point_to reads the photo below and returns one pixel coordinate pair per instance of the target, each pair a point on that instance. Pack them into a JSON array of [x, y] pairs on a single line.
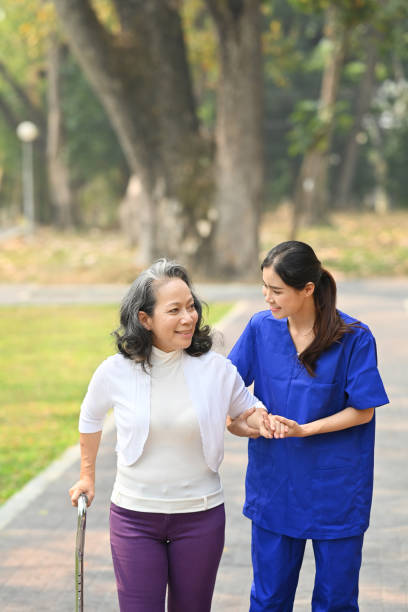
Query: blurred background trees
[[182, 122]]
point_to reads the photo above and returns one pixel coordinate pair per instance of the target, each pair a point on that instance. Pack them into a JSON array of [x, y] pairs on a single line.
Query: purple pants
[[153, 551]]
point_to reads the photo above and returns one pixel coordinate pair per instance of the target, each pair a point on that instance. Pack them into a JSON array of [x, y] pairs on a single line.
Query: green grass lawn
[[47, 356]]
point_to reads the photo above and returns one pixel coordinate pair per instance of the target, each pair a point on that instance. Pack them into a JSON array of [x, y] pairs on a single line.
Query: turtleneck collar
[[163, 359]]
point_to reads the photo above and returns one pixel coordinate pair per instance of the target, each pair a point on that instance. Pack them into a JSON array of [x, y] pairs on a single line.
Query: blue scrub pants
[[277, 560]]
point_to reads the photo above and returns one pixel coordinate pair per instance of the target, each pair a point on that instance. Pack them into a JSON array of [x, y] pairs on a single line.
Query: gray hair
[[133, 340]]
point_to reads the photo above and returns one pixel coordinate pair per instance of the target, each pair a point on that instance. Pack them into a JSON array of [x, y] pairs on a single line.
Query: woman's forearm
[[89, 444], [349, 417]]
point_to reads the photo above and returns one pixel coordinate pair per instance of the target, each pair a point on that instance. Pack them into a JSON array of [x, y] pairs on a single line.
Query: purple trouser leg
[[151, 551]]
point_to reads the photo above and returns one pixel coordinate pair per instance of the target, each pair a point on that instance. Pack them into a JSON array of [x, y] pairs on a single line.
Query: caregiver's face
[[283, 300]]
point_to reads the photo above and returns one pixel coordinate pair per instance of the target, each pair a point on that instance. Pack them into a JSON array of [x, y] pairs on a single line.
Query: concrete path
[[98, 294], [37, 539]]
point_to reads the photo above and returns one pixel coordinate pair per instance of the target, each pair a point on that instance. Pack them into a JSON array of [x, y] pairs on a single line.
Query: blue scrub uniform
[[319, 487]]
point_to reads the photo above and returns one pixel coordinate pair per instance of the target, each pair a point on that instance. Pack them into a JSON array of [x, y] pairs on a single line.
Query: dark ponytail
[[296, 264]]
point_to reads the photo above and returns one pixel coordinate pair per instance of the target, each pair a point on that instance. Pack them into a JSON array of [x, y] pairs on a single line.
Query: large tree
[[311, 192], [383, 41], [310, 199], [139, 70], [363, 102], [58, 169], [239, 135]]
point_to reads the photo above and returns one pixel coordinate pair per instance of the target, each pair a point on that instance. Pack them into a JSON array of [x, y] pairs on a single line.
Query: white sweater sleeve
[[96, 403], [241, 398]]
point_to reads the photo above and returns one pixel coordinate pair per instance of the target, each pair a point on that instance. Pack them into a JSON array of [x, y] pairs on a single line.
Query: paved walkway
[[37, 539]]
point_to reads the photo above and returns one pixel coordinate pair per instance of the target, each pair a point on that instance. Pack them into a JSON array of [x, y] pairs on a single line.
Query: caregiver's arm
[[89, 443], [349, 417]]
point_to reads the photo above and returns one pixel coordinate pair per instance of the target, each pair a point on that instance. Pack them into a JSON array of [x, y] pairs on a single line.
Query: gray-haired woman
[[171, 395]]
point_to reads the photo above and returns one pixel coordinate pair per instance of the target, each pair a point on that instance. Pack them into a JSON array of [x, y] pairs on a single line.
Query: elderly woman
[[170, 394]]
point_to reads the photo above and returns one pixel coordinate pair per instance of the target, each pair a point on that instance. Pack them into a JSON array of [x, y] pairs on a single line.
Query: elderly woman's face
[[174, 317]]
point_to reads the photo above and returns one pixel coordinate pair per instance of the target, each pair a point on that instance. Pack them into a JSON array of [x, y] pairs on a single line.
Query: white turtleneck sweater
[[171, 475]]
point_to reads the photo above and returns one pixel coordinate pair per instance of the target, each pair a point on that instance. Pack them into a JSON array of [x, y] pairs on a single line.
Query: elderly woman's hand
[[85, 485]]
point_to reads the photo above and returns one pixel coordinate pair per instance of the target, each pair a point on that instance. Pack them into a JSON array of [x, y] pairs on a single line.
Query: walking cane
[[79, 553]]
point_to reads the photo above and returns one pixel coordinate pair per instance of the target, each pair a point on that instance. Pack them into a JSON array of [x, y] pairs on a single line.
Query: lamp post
[[27, 133]]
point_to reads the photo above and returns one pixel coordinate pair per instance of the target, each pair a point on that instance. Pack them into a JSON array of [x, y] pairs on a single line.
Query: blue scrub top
[[321, 486]]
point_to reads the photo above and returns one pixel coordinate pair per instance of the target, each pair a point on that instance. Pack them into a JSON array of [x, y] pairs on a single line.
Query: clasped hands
[[256, 422]]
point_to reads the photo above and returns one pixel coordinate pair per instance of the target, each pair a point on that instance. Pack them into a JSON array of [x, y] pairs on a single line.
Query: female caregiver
[[170, 396], [315, 369]]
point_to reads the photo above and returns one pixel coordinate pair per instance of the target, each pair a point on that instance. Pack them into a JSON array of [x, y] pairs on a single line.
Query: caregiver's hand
[[239, 426], [286, 428]]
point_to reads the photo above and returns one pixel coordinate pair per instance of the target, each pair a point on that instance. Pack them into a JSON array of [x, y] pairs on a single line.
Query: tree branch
[[8, 113], [34, 113], [91, 37], [127, 11], [97, 53], [225, 11]]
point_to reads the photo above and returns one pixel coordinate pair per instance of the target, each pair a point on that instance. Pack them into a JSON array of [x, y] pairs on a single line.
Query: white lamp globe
[[27, 131]]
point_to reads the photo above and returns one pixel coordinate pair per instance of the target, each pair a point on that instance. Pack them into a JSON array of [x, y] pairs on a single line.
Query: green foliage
[[396, 154], [92, 146], [289, 39], [97, 164], [280, 44], [344, 117], [320, 55], [293, 79], [390, 114], [10, 170], [294, 53], [308, 129], [354, 70], [305, 127], [24, 27], [202, 53], [351, 11]]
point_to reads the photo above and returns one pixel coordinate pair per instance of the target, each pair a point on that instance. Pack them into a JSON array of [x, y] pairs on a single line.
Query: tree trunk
[[134, 217], [310, 200], [380, 199], [364, 98], [32, 112], [8, 113], [58, 173], [141, 77], [239, 158]]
